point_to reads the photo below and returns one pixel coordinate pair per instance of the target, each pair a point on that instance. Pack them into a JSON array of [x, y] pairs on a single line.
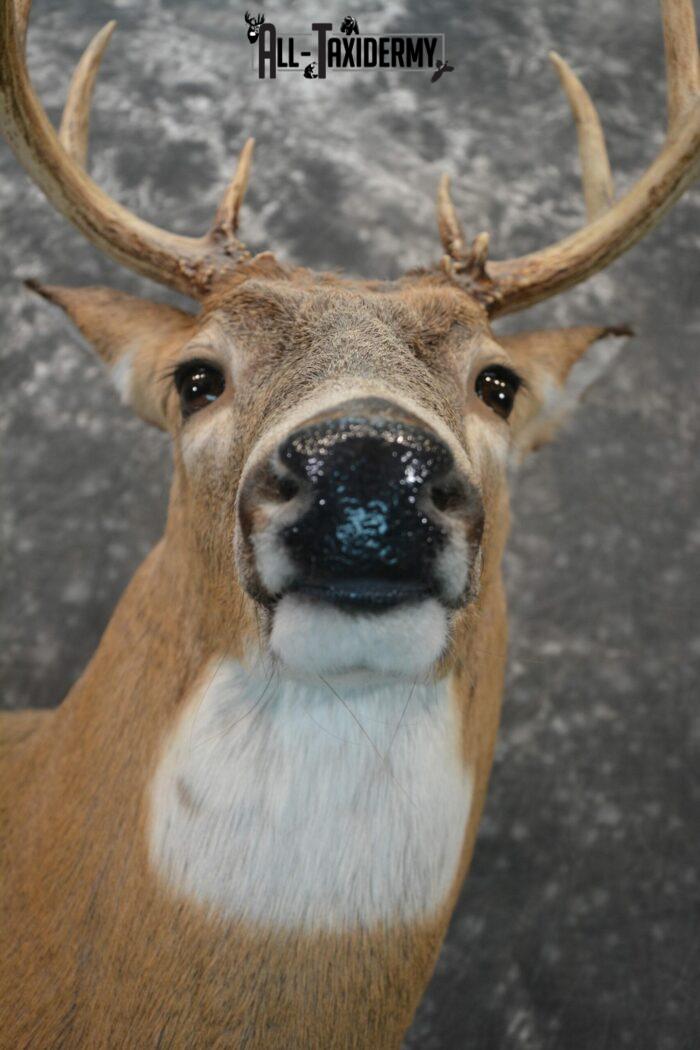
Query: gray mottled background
[[579, 927]]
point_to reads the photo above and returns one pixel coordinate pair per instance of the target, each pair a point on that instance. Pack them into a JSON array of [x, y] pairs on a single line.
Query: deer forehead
[[308, 314]]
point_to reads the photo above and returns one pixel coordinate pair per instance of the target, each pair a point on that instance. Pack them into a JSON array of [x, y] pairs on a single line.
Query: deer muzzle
[[362, 508]]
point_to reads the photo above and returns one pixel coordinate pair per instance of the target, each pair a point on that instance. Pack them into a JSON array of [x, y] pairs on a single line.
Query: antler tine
[[459, 258], [75, 122], [451, 232], [682, 74], [596, 176], [514, 284], [191, 265], [225, 222], [478, 254]]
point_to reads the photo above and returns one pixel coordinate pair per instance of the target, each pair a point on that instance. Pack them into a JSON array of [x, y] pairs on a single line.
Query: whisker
[[203, 697], [352, 714], [369, 738], [323, 729], [398, 725], [232, 725]]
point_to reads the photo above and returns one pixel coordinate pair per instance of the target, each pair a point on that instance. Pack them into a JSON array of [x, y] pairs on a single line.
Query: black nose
[[369, 533]]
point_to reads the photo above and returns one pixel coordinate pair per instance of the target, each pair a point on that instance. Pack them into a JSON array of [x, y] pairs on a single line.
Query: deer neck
[[306, 804], [235, 774]]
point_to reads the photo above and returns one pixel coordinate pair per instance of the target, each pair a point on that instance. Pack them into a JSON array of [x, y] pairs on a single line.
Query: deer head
[[341, 445], [254, 26]]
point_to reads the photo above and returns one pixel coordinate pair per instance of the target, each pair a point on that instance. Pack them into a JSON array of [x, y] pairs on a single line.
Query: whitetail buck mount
[[248, 822]]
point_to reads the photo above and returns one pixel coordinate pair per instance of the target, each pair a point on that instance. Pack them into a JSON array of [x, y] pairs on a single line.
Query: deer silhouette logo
[[442, 67], [349, 26], [254, 26]]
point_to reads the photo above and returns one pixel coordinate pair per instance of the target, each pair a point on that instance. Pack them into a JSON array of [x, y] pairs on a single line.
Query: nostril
[[447, 496], [287, 488]]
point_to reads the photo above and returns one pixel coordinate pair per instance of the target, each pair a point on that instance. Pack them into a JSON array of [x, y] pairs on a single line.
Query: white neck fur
[[309, 805]]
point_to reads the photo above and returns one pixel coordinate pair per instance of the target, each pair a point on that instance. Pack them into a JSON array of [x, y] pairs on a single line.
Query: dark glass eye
[[497, 387], [198, 384]]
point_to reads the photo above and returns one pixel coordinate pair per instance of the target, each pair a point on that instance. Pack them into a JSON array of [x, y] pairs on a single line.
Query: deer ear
[[556, 375], [129, 334]]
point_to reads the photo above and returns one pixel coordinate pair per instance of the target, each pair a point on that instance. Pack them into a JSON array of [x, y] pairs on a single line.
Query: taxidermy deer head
[[256, 807]]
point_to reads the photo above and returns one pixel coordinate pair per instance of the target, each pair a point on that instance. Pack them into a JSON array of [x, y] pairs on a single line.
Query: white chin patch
[[311, 638], [291, 805]]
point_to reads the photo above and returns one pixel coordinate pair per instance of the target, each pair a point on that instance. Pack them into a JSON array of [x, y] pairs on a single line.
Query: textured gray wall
[[579, 927]]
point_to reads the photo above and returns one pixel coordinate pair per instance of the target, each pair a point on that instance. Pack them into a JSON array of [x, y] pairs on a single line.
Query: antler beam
[[514, 284], [191, 265]]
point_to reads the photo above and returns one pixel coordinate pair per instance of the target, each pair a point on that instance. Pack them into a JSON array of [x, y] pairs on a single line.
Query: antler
[[75, 121], [191, 265], [612, 228]]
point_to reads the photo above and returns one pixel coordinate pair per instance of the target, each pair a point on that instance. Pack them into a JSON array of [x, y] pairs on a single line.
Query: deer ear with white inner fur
[[129, 334], [558, 366]]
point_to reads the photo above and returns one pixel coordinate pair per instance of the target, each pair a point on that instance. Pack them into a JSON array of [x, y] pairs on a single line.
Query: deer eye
[[198, 383], [497, 387]]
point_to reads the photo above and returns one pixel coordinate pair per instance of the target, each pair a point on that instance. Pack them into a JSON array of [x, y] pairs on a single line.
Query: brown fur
[[99, 953]]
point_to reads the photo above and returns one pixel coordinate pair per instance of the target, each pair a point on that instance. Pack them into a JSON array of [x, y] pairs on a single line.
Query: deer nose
[[376, 491]]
